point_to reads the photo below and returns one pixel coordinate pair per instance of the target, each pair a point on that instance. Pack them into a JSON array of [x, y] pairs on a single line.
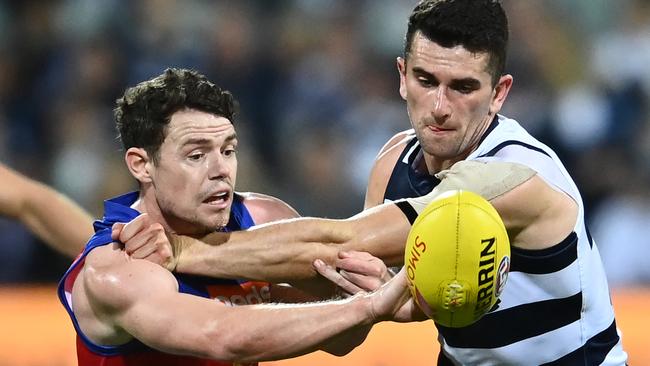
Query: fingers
[[361, 262], [363, 269], [355, 272], [132, 228], [144, 250], [145, 239], [335, 277], [368, 283]]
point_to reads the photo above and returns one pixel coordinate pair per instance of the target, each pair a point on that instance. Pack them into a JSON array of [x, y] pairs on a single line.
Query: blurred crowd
[[318, 92]]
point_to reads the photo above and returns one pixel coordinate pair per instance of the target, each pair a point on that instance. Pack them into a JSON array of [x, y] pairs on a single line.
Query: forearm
[[280, 252], [55, 219], [304, 329], [284, 251]]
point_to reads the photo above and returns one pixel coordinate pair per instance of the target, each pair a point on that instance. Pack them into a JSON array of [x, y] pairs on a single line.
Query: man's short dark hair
[[144, 111], [477, 25]]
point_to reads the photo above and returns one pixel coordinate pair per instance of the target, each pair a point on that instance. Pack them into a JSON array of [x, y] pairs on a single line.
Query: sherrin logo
[[502, 275], [485, 277]]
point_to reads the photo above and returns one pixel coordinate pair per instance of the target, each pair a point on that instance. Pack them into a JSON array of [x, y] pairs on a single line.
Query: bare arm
[[383, 167], [536, 215], [284, 251], [141, 299], [50, 215]]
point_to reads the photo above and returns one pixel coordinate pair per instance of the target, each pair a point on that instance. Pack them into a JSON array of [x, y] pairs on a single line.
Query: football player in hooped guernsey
[[180, 145]]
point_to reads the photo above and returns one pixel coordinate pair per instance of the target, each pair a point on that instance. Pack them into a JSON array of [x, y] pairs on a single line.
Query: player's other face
[[449, 97], [195, 176]]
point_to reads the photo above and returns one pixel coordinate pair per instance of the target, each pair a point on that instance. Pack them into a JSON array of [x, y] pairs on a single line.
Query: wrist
[[365, 301], [178, 244]]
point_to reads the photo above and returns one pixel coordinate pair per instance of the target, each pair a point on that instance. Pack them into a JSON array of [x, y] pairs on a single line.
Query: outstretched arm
[[50, 215], [128, 295], [284, 251]]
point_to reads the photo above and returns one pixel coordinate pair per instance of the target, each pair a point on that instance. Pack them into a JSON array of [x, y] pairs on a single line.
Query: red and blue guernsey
[[229, 292]]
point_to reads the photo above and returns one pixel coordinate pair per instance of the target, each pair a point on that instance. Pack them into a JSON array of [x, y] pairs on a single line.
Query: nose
[[441, 106], [218, 167]]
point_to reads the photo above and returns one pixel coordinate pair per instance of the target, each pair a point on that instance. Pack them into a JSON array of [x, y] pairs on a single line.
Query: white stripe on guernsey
[[522, 288], [408, 154], [68, 298], [550, 346]]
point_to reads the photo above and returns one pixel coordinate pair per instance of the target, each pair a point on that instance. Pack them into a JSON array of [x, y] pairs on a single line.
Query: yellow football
[[457, 258]]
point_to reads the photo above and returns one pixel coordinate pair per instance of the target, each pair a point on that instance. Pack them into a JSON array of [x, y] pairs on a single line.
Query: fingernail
[[318, 263]]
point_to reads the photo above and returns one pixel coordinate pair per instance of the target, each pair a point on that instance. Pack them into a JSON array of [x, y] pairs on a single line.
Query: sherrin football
[[457, 258]]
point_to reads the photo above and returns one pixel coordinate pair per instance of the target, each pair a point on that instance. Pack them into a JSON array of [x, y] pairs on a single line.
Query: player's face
[[195, 176], [449, 97]]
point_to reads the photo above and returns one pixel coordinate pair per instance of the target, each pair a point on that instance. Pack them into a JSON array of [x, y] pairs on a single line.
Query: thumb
[[116, 230]]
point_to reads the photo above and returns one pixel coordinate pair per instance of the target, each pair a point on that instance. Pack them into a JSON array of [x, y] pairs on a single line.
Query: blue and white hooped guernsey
[[555, 308]]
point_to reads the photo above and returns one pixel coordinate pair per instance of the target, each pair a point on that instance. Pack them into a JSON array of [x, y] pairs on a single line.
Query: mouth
[[437, 129], [220, 199]]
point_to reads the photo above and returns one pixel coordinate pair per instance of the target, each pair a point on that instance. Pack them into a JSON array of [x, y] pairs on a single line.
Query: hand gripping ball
[[457, 258]]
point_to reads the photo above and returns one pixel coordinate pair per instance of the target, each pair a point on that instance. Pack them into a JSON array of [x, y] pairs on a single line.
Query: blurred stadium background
[[317, 85]]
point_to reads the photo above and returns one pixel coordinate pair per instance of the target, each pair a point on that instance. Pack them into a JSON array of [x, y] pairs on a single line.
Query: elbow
[[341, 348], [340, 352]]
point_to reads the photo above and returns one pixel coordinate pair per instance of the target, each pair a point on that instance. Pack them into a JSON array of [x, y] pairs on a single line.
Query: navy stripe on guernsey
[[547, 260], [493, 125], [504, 144], [591, 240], [515, 324], [408, 210], [406, 181], [593, 352]]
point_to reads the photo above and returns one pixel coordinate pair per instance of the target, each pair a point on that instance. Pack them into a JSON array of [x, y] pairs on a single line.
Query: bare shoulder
[[383, 167], [396, 143], [112, 280], [264, 208], [389, 154]]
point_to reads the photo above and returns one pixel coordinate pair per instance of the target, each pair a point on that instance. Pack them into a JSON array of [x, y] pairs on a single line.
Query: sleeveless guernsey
[[555, 308], [226, 291]]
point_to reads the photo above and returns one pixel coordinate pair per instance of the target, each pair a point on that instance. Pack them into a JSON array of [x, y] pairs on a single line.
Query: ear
[[139, 164], [401, 69], [501, 91]]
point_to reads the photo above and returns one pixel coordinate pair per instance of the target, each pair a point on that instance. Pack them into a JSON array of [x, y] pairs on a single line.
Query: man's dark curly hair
[[143, 113], [477, 25]]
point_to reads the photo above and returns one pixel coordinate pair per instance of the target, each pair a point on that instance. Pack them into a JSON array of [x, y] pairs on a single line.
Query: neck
[[147, 203], [435, 165]]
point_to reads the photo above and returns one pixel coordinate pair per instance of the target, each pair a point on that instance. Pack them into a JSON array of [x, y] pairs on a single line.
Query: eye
[[230, 151], [425, 82], [196, 156], [465, 89]]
